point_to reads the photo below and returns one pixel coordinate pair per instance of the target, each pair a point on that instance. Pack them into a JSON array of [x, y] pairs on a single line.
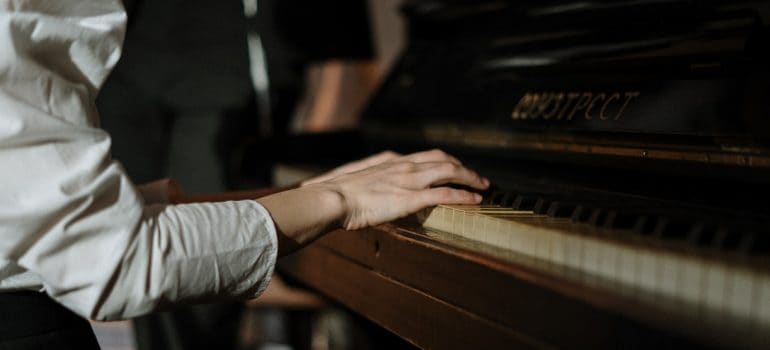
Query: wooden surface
[[439, 297], [413, 315]]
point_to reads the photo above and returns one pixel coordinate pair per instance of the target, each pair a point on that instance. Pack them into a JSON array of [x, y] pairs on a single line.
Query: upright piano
[[629, 145]]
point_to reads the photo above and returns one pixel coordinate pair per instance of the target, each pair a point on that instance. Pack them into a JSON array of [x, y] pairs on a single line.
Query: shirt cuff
[[272, 256]]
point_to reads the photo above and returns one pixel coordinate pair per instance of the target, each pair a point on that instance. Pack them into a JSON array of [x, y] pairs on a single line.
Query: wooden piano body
[[649, 121], [437, 295]]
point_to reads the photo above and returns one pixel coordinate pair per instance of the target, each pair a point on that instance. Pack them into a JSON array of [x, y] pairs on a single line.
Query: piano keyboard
[[644, 265]]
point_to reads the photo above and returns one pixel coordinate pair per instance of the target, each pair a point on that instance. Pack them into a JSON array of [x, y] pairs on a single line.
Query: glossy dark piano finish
[[536, 77], [640, 114]]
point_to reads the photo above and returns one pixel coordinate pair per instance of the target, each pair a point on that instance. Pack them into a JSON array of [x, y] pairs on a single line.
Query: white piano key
[[667, 275], [528, 238], [444, 219], [573, 251], [558, 248], [510, 239], [607, 260], [762, 306], [498, 238], [505, 238], [741, 293], [627, 273], [591, 263], [690, 280], [482, 224], [542, 242], [647, 271], [467, 224], [714, 292]]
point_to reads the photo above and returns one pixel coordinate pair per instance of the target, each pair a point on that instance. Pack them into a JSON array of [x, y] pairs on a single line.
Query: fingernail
[[486, 182], [477, 197]]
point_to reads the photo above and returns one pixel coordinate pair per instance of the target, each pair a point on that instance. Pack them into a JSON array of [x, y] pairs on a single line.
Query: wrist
[[331, 202], [301, 215]]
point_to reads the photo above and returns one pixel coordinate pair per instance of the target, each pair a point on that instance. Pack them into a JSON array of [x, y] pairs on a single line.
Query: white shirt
[[71, 223]]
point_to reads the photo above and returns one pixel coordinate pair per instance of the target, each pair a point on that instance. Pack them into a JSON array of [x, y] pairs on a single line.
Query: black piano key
[[559, 209], [581, 214], [523, 202], [494, 197], [760, 244], [720, 236], [700, 234], [732, 240], [605, 220], [644, 225], [541, 206], [746, 242], [597, 216], [713, 236], [507, 199], [673, 229], [618, 220]]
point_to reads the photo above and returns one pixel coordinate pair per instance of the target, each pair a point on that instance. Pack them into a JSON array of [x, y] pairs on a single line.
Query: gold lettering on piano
[[615, 96], [599, 97], [570, 97], [582, 103], [574, 105]]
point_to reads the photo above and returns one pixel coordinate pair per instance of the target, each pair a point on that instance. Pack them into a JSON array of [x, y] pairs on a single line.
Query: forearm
[[321, 208], [294, 230]]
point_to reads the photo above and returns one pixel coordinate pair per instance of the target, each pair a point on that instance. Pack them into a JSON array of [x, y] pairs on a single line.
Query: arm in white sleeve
[[68, 213]]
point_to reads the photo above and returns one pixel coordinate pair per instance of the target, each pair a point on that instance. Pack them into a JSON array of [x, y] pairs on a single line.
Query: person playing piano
[[78, 239]]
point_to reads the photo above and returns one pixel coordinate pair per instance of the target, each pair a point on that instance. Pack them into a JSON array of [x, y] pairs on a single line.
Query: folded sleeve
[[68, 213]]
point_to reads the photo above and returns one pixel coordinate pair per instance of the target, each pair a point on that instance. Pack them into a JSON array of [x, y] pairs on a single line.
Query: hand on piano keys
[[388, 186], [360, 194]]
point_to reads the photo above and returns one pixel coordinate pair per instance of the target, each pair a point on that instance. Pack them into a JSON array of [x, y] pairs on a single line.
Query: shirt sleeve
[[69, 214]]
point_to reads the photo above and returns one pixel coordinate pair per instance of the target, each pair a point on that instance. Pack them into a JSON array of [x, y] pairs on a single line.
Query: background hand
[[379, 158], [351, 167]]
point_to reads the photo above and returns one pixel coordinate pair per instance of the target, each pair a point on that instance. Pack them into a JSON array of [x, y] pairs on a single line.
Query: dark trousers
[[31, 320]]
